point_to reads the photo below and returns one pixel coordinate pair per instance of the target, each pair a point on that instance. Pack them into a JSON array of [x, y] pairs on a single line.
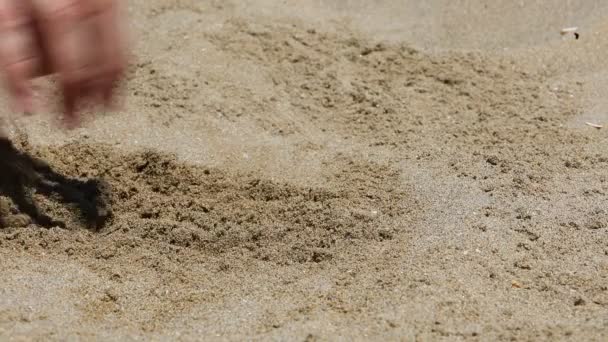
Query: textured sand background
[[323, 170]]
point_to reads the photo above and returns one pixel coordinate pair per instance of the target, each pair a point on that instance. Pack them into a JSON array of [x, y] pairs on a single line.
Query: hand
[[79, 40]]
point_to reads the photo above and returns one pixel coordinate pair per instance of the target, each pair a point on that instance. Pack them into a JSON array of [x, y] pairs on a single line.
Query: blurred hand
[[79, 40]]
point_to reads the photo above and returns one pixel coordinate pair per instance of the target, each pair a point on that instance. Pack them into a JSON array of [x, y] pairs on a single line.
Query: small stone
[[596, 224], [493, 160], [110, 296]]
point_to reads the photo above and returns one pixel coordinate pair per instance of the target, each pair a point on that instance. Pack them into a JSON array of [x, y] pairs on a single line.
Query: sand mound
[[158, 200], [385, 94]]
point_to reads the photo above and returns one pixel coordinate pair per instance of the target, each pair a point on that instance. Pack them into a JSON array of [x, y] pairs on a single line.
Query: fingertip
[[27, 106], [69, 118], [70, 121], [110, 100], [22, 100]]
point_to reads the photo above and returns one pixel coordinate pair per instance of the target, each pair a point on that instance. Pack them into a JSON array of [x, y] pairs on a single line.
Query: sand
[[322, 170]]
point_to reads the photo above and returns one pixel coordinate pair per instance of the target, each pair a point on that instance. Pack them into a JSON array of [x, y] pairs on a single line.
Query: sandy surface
[[326, 170]]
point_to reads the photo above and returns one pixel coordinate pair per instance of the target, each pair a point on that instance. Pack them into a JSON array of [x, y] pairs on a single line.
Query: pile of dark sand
[[152, 198]]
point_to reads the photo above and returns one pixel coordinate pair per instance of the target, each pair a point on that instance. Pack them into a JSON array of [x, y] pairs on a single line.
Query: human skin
[[78, 40]]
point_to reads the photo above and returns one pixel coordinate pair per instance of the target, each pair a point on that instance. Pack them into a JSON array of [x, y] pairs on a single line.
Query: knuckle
[[59, 10], [102, 5], [5, 14], [22, 68], [11, 18], [17, 45], [73, 77], [108, 72]]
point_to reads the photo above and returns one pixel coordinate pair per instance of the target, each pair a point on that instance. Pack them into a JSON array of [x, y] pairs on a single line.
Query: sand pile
[[158, 200]]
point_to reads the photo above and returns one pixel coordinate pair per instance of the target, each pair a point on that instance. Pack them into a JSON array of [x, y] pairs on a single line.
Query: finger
[[70, 105], [111, 52], [66, 27], [45, 67], [19, 55]]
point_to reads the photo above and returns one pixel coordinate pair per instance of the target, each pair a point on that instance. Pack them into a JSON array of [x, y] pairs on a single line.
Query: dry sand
[[327, 170]]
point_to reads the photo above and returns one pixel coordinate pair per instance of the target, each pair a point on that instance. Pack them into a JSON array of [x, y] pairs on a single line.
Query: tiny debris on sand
[[594, 125]]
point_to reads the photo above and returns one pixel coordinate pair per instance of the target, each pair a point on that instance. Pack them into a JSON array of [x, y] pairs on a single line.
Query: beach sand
[[328, 170]]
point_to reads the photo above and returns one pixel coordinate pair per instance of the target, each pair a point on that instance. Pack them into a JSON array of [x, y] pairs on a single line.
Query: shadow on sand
[[22, 174]]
